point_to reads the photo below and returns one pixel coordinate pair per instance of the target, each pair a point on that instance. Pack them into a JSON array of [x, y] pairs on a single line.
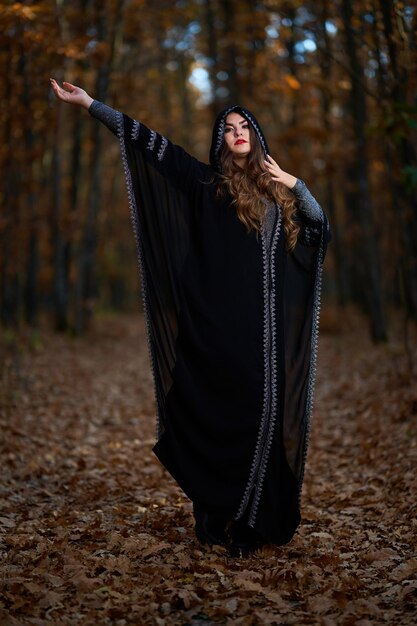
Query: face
[[236, 135]]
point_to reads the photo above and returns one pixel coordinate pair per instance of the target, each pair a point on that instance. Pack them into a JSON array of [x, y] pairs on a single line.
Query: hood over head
[[218, 133]]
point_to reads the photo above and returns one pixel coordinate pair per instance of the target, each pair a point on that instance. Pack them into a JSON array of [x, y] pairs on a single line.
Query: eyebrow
[[242, 122]]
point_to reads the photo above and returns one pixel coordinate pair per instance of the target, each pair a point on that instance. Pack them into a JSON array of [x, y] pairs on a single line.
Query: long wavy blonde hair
[[250, 186]]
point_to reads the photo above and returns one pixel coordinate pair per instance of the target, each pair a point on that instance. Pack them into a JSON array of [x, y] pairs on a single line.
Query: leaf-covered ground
[[94, 531]]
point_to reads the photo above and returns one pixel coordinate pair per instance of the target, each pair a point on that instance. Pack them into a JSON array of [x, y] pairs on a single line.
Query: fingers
[[270, 160], [68, 87], [56, 88], [273, 168]]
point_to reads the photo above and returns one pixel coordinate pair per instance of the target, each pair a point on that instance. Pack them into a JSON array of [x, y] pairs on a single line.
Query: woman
[[230, 258]]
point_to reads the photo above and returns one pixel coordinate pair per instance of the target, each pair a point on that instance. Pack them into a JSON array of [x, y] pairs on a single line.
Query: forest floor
[[94, 531]]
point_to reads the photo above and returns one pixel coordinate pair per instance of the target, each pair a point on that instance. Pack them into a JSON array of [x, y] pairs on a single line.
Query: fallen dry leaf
[[91, 525]]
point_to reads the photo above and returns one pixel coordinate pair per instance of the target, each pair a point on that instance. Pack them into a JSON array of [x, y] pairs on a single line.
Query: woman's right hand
[[71, 94]]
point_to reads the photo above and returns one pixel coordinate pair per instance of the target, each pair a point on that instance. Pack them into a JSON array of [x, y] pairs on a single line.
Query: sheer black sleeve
[[172, 161]]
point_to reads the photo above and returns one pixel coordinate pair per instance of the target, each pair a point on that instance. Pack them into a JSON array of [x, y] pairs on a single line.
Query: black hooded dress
[[232, 325]]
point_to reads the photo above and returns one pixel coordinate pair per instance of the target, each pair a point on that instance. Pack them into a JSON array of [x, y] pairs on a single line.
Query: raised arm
[[172, 161]]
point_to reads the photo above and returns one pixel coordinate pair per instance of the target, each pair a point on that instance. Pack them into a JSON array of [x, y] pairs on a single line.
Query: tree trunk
[[325, 61], [405, 200], [290, 13], [86, 288], [230, 14], [213, 55], [31, 296], [60, 287], [185, 104], [60, 275], [254, 33], [9, 289], [360, 207]]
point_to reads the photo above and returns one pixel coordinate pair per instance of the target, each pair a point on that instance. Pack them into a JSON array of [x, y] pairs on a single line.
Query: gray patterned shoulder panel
[[105, 114], [308, 204]]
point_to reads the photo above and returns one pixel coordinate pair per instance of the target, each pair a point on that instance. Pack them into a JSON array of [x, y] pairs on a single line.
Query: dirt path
[[95, 532]]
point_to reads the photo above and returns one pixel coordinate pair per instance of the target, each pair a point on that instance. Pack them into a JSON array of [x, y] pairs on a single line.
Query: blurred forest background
[[332, 82]]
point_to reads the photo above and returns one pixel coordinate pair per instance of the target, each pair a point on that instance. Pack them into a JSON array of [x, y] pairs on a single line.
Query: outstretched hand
[[71, 94], [278, 175]]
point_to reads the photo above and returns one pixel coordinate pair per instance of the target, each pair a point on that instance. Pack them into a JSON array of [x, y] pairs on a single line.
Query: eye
[[227, 130], [245, 125]]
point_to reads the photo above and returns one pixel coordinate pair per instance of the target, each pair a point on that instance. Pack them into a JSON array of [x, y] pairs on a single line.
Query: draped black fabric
[[232, 330]]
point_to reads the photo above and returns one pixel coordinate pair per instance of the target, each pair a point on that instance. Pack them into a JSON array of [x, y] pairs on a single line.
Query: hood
[[218, 133]]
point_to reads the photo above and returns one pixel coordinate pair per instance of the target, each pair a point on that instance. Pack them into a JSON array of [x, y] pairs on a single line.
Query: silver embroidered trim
[[139, 251], [135, 130], [273, 382], [313, 359], [220, 134], [152, 140], [258, 131], [269, 409], [162, 149]]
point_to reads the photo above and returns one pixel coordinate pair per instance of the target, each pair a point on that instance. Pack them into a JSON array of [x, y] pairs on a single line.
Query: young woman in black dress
[[230, 256]]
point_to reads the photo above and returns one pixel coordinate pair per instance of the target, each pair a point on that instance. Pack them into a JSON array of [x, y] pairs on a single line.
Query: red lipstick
[[239, 141]]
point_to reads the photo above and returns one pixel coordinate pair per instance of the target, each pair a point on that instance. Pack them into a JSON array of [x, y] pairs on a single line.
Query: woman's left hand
[[277, 174]]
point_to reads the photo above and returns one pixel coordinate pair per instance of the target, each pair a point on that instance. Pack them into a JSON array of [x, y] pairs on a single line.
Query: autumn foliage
[[333, 84]]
